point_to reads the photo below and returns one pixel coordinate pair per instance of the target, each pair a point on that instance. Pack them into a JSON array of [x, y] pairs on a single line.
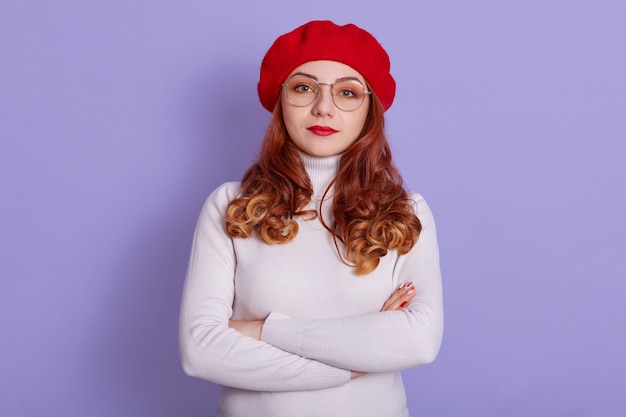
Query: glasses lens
[[348, 95], [301, 91]]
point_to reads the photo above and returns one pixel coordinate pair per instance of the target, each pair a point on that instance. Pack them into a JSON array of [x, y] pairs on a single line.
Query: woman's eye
[[303, 88], [347, 93]]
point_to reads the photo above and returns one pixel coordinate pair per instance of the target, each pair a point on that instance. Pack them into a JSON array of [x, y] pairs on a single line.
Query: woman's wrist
[[250, 328]]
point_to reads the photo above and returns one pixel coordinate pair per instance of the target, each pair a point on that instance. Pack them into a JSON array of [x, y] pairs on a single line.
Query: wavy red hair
[[372, 212]]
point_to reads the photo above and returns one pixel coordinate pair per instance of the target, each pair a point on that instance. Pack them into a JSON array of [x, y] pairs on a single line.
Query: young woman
[[315, 280]]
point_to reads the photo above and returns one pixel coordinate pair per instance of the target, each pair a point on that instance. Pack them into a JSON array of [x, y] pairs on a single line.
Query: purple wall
[[118, 118]]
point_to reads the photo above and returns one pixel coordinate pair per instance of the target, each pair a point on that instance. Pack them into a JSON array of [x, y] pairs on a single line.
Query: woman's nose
[[323, 104]]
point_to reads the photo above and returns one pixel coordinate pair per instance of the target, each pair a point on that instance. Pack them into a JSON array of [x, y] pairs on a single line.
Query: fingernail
[[404, 304], [411, 291], [401, 285], [409, 285]]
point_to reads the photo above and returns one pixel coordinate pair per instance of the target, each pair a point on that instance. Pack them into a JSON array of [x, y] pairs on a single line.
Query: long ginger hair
[[372, 212]]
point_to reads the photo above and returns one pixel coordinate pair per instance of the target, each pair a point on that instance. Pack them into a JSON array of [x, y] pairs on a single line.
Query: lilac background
[[118, 118]]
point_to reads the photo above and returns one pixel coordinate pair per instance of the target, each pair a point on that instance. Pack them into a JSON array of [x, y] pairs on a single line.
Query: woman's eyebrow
[[305, 75], [349, 78]]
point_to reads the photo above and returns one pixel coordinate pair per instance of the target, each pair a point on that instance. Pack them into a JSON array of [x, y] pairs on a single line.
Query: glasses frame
[[331, 85]]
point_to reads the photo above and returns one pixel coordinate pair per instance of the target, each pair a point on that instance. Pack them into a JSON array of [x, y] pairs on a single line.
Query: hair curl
[[372, 211]]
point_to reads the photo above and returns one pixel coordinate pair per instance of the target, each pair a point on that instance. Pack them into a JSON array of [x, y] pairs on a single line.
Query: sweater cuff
[[280, 331], [284, 333], [325, 376]]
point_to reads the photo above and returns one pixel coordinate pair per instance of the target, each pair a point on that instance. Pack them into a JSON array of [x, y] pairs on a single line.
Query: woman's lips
[[322, 130]]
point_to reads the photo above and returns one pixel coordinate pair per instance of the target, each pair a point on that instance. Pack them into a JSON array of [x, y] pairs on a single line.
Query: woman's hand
[[251, 328], [400, 298], [356, 374]]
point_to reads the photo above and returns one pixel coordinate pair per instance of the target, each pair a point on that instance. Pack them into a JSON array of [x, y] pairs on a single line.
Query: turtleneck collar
[[321, 171]]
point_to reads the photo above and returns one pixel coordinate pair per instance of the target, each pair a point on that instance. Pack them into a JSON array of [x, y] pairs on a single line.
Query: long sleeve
[[379, 341], [209, 348]]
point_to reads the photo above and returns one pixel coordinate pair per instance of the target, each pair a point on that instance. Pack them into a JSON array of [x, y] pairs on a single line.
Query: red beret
[[323, 40]]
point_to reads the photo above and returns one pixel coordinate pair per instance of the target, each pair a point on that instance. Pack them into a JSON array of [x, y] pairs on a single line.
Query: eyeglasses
[[348, 94]]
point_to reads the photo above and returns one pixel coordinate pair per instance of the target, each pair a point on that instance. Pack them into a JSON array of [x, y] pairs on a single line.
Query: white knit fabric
[[322, 320]]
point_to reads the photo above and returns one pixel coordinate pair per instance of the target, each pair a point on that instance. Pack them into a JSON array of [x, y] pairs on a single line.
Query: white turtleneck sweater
[[322, 320]]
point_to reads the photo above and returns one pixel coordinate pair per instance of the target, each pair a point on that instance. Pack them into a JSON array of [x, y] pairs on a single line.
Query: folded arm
[[390, 340], [209, 348]]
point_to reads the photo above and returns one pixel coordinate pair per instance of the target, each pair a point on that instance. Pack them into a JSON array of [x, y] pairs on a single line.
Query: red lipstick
[[322, 130]]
